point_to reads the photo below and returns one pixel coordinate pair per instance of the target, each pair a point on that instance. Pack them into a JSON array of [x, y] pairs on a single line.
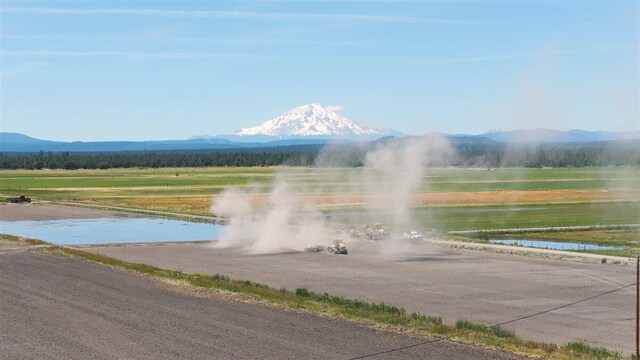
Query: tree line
[[465, 155]]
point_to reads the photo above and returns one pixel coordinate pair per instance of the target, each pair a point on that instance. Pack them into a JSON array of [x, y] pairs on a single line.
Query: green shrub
[[481, 328], [580, 348]]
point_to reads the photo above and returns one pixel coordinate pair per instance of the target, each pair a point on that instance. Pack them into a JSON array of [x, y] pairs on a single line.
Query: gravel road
[[57, 307], [455, 284]]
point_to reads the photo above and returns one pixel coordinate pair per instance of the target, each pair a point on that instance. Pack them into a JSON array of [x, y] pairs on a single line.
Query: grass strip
[[623, 236], [367, 312], [22, 240]]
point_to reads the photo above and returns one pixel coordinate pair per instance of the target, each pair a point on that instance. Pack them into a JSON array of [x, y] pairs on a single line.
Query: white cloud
[[124, 54], [475, 59], [336, 107], [177, 39], [239, 15]]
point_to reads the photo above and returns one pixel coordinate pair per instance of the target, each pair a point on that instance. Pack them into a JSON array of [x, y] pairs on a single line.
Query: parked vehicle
[[20, 199]]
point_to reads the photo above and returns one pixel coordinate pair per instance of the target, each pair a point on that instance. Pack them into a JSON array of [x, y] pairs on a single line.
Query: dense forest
[[465, 155]]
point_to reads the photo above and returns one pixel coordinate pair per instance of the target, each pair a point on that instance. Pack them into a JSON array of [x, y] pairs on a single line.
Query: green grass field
[[448, 199], [507, 217]]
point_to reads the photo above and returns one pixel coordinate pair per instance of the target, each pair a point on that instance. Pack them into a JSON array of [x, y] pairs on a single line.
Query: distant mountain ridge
[[17, 138], [550, 135], [16, 142]]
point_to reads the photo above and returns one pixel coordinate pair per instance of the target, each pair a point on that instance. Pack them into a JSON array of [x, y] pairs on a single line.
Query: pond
[[554, 245], [111, 230]]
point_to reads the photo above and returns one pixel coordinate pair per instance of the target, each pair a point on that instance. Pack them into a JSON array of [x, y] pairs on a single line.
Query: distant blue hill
[[549, 135], [17, 138], [15, 142]]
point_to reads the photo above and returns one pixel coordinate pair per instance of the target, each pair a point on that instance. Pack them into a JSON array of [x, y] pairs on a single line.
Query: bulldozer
[[337, 247]]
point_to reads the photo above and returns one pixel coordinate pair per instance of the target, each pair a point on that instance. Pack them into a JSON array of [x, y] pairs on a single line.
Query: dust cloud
[[286, 217], [270, 228], [393, 173]]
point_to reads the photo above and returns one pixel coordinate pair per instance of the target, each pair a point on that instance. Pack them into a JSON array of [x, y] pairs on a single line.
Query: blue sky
[[139, 70]]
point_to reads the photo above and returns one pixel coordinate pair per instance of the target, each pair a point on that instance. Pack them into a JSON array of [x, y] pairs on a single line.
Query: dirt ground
[[57, 307], [455, 284], [12, 212]]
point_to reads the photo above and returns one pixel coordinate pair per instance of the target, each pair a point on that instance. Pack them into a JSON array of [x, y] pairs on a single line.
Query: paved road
[[456, 284], [56, 307]]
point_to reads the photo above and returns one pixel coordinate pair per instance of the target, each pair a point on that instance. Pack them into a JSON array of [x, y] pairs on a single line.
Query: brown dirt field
[[191, 205], [466, 198], [20, 212], [202, 204]]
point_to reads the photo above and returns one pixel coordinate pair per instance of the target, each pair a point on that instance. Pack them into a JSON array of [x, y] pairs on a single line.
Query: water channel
[[554, 245], [111, 230]]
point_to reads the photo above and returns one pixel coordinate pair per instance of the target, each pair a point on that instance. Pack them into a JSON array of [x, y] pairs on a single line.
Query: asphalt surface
[[456, 284], [57, 307]]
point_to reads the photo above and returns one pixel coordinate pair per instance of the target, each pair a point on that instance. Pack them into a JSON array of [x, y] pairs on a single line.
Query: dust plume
[[288, 218], [394, 173], [274, 227]]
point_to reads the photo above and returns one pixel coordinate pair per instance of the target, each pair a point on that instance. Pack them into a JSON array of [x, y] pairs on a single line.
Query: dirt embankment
[[15, 212]]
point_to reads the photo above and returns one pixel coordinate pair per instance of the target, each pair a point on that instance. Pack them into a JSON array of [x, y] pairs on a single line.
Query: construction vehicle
[[337, 247], [314, 249], [376, 232], [20, 199], [413, 236]]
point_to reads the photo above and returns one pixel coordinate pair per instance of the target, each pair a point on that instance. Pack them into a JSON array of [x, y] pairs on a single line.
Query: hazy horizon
[[295, 137]]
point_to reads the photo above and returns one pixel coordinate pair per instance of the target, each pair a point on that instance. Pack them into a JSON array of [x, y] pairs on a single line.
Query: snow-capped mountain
[[311, 120]]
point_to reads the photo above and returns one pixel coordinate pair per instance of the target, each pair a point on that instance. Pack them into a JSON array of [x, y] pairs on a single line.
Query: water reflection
[[554, 245]]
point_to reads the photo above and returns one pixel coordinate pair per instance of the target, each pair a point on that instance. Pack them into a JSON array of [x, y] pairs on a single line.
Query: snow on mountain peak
[[309, 120]]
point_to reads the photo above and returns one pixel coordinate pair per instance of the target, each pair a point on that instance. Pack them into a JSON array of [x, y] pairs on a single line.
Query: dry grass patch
[[480, 198]]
